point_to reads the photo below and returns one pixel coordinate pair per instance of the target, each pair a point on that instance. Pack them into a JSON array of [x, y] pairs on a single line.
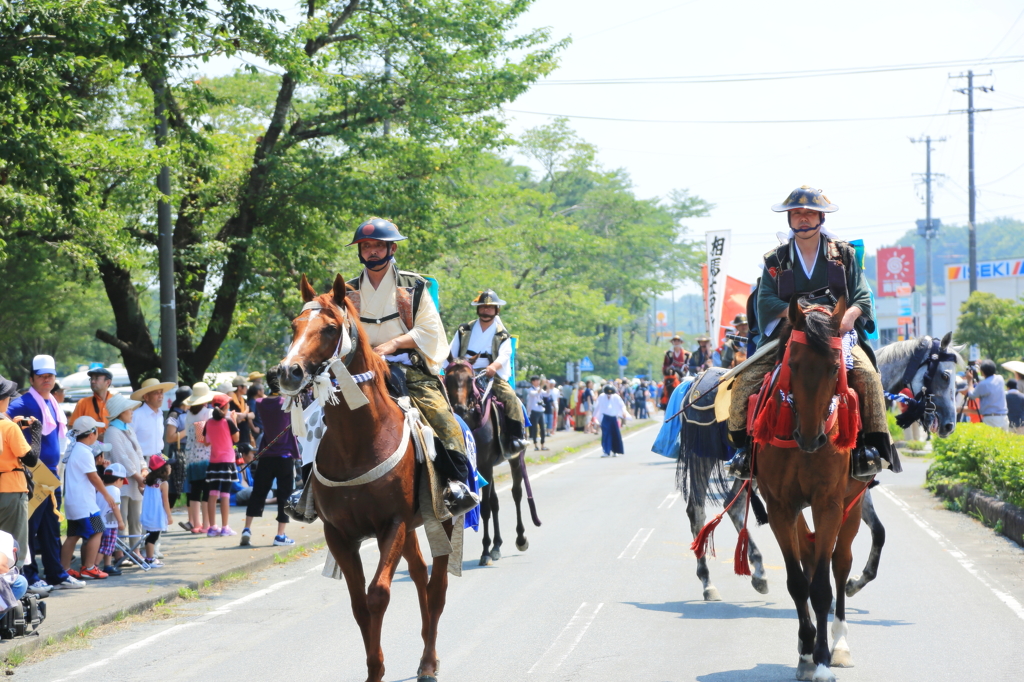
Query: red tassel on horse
[[766, 422], [705, 542], [849, 421], [740, 565]]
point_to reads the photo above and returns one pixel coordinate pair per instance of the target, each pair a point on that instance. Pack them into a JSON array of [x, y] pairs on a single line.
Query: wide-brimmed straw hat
[[150, 385], [1015, 366], [117, 403], [201, 394], [253, 376]]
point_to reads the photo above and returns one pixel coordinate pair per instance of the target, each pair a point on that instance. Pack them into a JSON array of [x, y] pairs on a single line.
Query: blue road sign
[[586, 365], [623, 361]]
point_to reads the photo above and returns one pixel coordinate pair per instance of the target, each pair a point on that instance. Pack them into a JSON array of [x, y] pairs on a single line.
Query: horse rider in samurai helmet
[[486, 344]]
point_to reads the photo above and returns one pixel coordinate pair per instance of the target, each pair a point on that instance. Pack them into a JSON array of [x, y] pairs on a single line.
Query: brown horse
[[356, 441], [815, 473], [458, 382]]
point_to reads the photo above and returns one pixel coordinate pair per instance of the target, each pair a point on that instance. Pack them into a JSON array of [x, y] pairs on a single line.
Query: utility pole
[[930, 229], [165, 246], [972, 255], [622, 370]]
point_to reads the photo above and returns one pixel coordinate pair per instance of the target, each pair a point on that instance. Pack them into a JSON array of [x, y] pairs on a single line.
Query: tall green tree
[[995, 325]]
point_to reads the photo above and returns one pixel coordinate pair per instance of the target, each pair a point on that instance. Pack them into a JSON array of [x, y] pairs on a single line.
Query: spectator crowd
[[84, 496]]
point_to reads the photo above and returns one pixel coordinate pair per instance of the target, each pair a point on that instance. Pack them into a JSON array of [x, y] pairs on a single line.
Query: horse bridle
[[353, 335], [782, 376], [922, 406]]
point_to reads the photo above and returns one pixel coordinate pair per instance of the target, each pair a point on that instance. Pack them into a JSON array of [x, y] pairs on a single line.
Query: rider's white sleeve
[[429, 335]]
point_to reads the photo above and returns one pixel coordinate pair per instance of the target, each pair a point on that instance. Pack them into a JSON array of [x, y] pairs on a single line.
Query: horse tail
[[757, 506], [529, 490]]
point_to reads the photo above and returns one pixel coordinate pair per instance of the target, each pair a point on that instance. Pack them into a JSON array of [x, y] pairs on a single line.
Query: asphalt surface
[[606, 592]]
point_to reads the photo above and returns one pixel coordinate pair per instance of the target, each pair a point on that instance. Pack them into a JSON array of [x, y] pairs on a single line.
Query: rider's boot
[[459, 498], [869, 459], [739, 465], [517, 439]]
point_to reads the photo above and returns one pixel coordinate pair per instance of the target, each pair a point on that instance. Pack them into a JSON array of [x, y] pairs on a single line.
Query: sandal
[[199, 530], [187, 525]]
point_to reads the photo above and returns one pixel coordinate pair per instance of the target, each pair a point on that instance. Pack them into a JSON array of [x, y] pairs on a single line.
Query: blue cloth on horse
[[611, 436], [667, 442], [473, 515]]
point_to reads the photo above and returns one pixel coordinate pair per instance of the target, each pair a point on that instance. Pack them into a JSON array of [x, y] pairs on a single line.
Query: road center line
[[553, 467], [954, 552], [578, 625], [636, 544], [669, 500]]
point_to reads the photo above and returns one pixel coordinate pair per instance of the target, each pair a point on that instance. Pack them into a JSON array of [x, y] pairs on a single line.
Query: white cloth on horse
[[427, 332], [480, 341]]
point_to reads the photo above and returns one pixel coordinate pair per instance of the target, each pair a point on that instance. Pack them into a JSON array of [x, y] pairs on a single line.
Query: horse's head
[[458, 382], [323, 330], [814, 368], [942, 388]]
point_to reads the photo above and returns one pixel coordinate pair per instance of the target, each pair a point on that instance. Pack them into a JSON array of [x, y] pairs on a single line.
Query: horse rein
[[353, 336]]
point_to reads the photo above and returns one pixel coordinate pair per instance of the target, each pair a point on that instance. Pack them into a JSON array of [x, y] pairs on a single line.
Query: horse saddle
[[701, 398]]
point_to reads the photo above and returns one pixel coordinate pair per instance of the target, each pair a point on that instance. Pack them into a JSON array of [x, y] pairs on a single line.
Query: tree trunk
[[132, 335]]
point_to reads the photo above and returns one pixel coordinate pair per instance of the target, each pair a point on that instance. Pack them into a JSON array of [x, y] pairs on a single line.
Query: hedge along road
[[607, 592]]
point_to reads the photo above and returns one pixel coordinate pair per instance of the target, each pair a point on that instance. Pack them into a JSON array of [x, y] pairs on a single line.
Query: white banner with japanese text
[[718, 245]]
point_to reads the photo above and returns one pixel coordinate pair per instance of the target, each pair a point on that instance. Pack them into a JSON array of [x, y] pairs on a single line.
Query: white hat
[[116, 404], [224, 387], [201, 394], [117, 469], [1015, 366], [44, 364], [86, 424], [150, 385]]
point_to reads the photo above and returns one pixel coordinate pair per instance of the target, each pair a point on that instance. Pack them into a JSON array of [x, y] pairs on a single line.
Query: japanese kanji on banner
[[718, 265]]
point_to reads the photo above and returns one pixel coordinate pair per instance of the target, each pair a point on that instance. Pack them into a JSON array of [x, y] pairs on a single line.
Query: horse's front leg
[[378, 596], [738, 515], [842, 561], [867, 513], [785, 525], [485, 519], [695, 513], [350, 562], [516, 465], [827, 512], [496, 549]]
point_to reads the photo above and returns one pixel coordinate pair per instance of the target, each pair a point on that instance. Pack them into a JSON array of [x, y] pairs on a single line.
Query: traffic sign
[[586, 365], [623, 361]]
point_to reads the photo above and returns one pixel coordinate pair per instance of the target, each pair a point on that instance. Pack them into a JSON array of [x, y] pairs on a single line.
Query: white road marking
[[669, 500], [553, 467], [143, 643], [578, 625], [954, 552], [636, 544]]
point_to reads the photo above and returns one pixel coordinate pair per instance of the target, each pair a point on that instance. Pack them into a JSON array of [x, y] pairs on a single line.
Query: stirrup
[[866, 463], [459, 498], [739, 465]]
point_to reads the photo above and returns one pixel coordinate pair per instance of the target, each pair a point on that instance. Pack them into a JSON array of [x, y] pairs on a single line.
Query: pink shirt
[[218, 435]]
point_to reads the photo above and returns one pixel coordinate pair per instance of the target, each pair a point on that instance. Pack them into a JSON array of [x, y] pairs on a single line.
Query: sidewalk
[[189, 561]]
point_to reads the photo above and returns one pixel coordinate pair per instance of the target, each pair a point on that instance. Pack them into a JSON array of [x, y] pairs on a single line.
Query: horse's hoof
[[853, 586], [496, 554], [522, 547], [485, 560], [760, 584], [823, 674], [841, 658], [711, 594], [805, 669]]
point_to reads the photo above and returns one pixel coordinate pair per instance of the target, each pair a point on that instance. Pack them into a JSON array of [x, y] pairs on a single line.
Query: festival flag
[[718, 245]]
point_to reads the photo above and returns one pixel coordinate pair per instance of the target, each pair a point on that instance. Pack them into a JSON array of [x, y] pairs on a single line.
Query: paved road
[[606, 592]]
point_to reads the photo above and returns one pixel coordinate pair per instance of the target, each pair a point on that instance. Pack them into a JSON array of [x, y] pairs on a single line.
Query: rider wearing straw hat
[[676, 358], [403, 326], [816, 265], [487, 345]]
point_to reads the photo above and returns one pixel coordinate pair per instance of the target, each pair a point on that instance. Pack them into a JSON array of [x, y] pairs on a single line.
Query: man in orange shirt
[[13, 486], [95, 406]]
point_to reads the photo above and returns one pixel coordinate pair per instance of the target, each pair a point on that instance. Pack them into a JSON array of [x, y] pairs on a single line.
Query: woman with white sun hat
[[126, 450]]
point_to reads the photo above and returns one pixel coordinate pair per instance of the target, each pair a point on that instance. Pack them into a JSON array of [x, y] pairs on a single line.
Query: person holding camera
[[15, 456], [990, 393]]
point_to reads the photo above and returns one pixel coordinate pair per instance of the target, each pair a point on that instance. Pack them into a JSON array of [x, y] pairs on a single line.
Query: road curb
[[26, 645], [992, 509]]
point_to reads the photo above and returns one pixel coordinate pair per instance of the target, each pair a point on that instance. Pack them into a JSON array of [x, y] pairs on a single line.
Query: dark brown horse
[[356, 441], [458, 382], [814, 473]]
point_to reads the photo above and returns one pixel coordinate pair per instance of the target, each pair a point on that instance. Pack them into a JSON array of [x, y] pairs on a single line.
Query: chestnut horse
[[355, 443], [813, 474], [458, 382]]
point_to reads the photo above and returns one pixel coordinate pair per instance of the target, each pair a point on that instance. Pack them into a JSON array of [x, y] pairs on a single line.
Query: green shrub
[[895, 432], [981, 457]]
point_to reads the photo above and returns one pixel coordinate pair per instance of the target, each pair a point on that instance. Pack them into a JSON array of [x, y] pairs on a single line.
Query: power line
[[1012, 26], [785, 75], [710, 122]]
